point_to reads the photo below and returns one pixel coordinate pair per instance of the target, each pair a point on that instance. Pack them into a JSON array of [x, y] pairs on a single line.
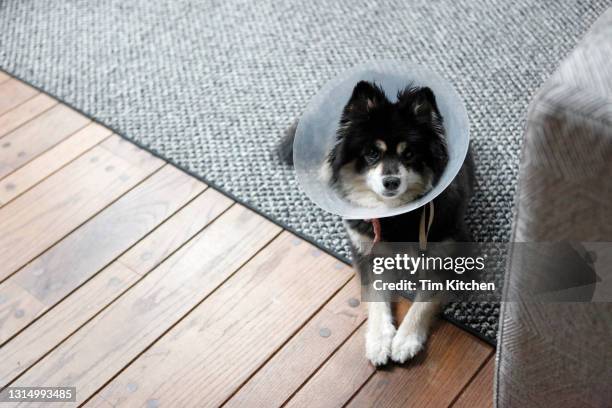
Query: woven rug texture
[[211, 85]]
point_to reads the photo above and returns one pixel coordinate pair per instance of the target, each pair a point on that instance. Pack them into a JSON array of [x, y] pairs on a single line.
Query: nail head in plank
[[450, 359], [44, 334], [44, 215], [25, 112], [131, 153], [37, 136], [181, 227], [287, 370], [339, 378], [136, 319], [234, 331], [17, 307], [88, 249], [50, 161]]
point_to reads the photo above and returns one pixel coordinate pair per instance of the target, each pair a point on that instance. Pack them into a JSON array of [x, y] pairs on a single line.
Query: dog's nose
[[391, 183]]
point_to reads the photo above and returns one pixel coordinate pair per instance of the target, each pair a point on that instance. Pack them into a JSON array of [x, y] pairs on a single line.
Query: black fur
[[285, 147], [359, 124], [449, 220], [369, 115]]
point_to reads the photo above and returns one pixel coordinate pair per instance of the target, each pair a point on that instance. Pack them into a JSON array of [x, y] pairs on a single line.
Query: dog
[[388, 154]]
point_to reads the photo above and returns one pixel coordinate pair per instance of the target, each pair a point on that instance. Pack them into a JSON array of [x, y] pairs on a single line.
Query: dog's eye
[[372, 155], [407, 154]]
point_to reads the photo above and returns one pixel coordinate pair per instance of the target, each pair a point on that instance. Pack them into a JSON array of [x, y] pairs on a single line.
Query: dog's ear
[[366, 96], [420, 104]]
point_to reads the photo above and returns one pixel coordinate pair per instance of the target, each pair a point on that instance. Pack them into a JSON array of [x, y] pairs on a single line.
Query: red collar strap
[[377, 232]]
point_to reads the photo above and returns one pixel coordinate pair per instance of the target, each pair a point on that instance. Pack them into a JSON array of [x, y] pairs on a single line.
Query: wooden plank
[[203, 360], [16, 305], [48, 331], [37, 136], [129, 151], [101, 348], [25, 112], [479, 393], [451, 358], [173, 233], [76, 258], [14, 93], [49, 162], [4, 77], [44, 334], [39, 218], [98, 402], [291, 366], [341, 376], [275, 382]]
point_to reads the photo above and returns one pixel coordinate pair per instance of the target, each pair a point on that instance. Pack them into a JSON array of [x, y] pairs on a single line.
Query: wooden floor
[[134, 282]]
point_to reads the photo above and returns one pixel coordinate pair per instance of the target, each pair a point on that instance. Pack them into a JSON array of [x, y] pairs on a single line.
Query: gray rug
[[210, 85]]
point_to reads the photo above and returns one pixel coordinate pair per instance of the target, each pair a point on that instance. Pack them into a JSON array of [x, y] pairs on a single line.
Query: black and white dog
[[390, 154]]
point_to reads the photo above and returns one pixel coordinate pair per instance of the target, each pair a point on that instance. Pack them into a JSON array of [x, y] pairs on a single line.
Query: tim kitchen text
[[426, 284]]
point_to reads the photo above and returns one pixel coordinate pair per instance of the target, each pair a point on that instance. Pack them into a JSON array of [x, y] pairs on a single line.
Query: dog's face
[[389, 153]]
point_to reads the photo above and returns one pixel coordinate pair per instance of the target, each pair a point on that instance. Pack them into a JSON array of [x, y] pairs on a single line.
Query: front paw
[[406, 346], [378, 344]]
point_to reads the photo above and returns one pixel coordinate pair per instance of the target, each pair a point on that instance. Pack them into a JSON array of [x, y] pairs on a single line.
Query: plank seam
[[46, 150], [29, 120], [81, 224], [56, 102], [52, 173], [452, 401], [471, 380], [24, 101], [325, 361], [164, 259], [214, 290], [358, 390], [230, 195], [291, 336], [116, 259]]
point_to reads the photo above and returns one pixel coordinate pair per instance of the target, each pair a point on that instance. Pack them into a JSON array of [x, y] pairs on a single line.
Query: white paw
[[378, 344], [406, 346]]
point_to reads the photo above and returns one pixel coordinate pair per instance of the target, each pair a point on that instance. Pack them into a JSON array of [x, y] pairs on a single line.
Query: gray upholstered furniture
[[560, 355]]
